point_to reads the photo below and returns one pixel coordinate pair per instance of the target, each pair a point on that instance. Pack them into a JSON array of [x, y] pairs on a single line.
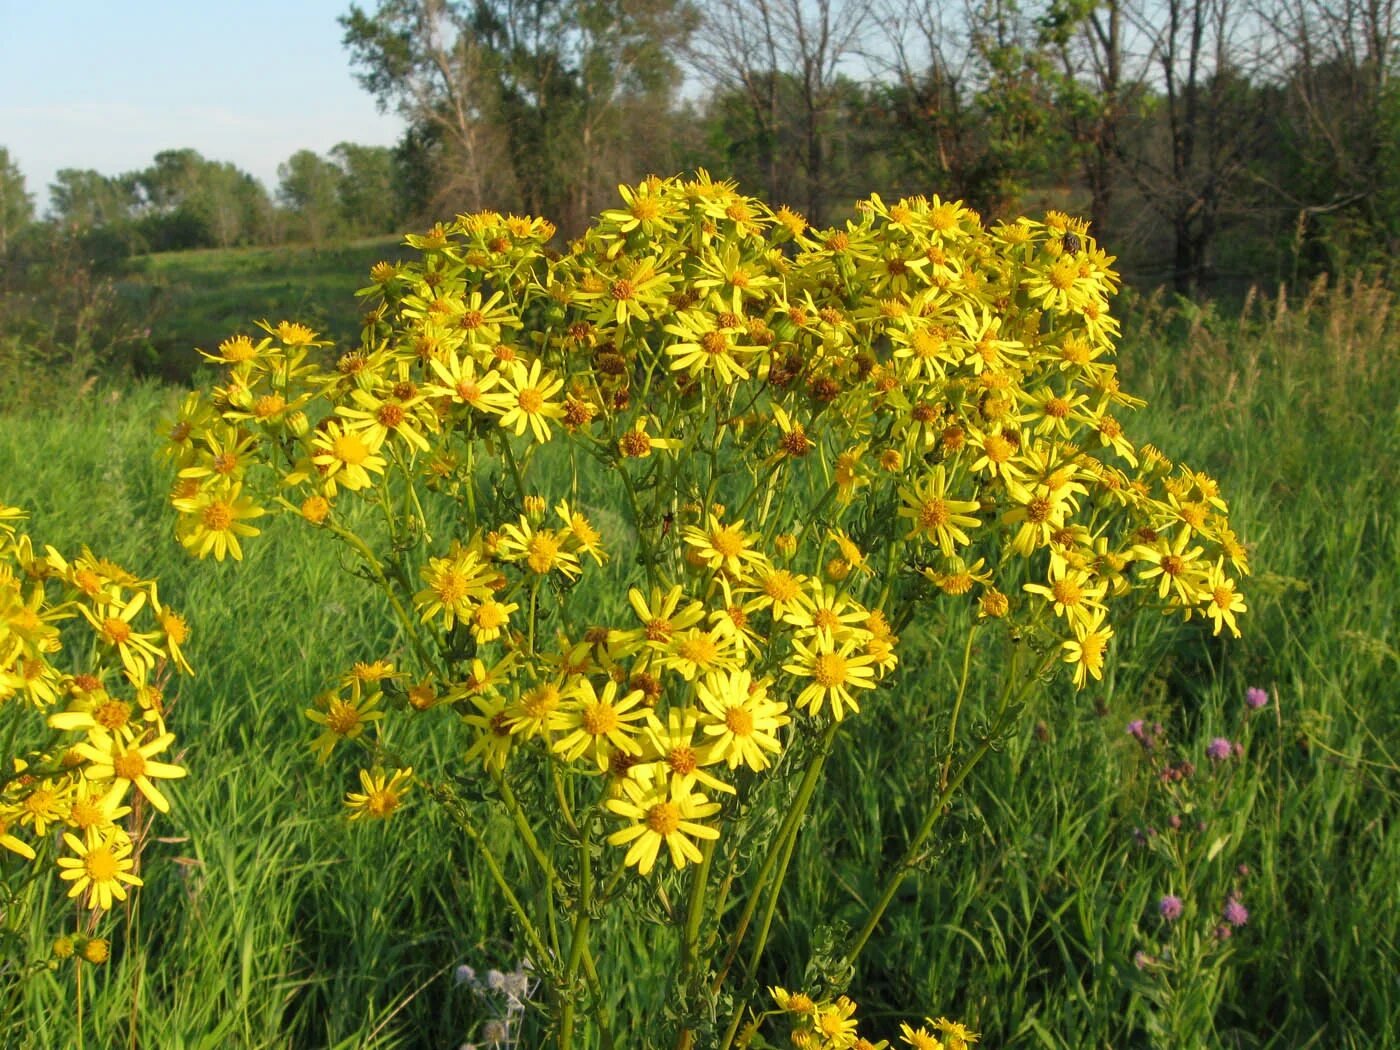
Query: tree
[[368, 187], [785, 58], [16, 204], [310, 187], [187, 201], [518, 103], [85, 198]]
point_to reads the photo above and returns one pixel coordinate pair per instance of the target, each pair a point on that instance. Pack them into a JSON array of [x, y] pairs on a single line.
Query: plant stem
[[579, 941]]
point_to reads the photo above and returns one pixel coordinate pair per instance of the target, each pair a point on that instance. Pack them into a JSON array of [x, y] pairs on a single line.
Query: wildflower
[[101, 867], [345, 457], [213, 519], [600, 723], [344, 719], [381, 794], [956, 1036], [919, 1038], [661, 815], [529, 391], [1255, 698], [1235, 913], [1222, 600], [1170, 907], [933, 515], [125, 764], [834, 673], [455, 585], [741, 718], [97, 950], [1219, 749], [722, 547]]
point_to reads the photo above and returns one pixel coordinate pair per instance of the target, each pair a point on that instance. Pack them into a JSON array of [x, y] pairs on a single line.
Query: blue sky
[[106, 85]]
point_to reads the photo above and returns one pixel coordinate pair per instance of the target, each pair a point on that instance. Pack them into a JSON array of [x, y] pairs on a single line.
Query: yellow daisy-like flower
[[919, 1038], [661, 615], [834, 673], [490, 619], [344, 719], [670, 751], [1222, 601], [661, 814], [722, 547], [933, 515], [1074, 593], [528, 405], [956, 1036], [1087, 648], [542, 550], [112, 623], [346, 457], [213, 519], [380, 795], [101, 867], [600, 723], [127, 763], [1175, 567], [455, 585], [589, 539], [828, 616]]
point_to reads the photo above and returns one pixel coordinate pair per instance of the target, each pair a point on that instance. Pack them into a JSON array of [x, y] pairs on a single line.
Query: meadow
[[268, 921]]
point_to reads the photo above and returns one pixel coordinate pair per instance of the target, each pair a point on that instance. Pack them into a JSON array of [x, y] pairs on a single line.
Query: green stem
[[957, 706], [579, 941], [449, 801], [935, 812], [405, 621], [789, 827]]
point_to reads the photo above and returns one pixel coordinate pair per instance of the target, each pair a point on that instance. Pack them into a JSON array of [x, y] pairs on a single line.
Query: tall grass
[[267, 922]]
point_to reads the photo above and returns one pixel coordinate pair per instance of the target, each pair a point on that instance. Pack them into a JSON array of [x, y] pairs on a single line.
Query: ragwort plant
[[652, 515], [86, 651]]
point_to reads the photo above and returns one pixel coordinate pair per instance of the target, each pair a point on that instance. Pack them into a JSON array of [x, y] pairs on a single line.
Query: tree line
[[1205, 139]]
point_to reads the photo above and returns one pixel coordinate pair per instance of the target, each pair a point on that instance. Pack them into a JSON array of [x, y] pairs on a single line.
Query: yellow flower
[[834, 673], [346, 457], [529, 391], [1087, 648], [741, 718], [600, 723], [933, 515], [125, 764], [380, 794], [212, 521], [672, 753], [455, 585], [661, 814], [722, 547], [101, 867], [542, 550], [1222, 601], [344, 719]]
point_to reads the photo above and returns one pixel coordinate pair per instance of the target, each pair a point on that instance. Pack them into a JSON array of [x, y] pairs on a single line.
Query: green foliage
[[16, 203]]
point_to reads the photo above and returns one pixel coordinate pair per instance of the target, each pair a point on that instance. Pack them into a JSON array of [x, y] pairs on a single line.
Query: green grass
[[267, 922], [199, 298]]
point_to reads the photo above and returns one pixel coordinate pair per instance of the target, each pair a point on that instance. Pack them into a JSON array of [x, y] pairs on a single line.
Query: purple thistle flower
[[1170, 906], [1219, 749], [1236, 914], [1135, 729], [1255, 698]]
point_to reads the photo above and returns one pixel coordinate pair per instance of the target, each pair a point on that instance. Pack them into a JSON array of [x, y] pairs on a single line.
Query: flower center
[[129, 765], [100, 864], [780, 586], [390, 415], [728, 542], [541, 701], [348, 448], [829, 669], [217, 516], [681, 760], [342, 717], [451, 588], [490, 616], [1172, 565], [1038, 510], [530, 400], [112, 715], [659, 630], [116, 629], [542, 551], [599, 718], [664, 818], [714, 343], [698, 649], [934, 513], [623, 290], [1066, 592], [738, 721]]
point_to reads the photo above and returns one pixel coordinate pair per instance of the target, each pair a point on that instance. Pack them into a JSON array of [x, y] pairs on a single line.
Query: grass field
[[199, 298], [267, 921]]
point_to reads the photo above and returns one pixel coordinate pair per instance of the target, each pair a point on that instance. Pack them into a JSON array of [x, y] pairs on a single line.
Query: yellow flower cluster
[[912, 408], [92, 697], [830, 1024]]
